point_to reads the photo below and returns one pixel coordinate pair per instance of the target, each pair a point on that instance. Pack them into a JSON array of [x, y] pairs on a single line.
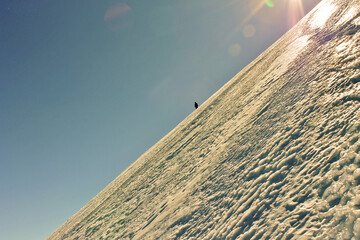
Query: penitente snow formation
[[274, 154]]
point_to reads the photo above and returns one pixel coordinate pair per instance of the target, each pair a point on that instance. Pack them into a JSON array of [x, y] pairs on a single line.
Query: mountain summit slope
[[274, 154]]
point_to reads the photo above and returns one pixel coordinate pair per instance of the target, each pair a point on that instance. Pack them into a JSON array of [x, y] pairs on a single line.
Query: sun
[[294, 10]]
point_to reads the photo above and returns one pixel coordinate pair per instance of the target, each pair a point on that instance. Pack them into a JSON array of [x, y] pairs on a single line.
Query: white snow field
[[274, 154]]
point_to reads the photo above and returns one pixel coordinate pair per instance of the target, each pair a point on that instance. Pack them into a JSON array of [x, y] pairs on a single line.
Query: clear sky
[[87, 86]]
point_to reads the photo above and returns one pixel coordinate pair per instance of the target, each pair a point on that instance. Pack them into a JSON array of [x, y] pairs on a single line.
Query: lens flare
[[258, 5], [234, 50], [270, 3], [119, 17], [249, 30], [295, 11]]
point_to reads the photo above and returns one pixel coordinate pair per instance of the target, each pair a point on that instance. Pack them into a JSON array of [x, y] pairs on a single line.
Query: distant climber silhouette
[[196, 105]]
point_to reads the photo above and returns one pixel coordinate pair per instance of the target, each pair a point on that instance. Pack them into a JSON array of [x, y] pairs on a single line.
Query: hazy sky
[[87, 86]]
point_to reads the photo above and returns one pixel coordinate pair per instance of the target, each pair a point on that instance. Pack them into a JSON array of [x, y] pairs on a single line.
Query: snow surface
[[274, 154]]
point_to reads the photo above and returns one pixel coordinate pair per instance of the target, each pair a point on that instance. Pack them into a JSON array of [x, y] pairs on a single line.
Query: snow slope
[[274, 154]]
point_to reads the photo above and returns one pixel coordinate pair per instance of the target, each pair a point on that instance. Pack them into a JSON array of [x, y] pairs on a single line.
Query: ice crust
[[274, 154]]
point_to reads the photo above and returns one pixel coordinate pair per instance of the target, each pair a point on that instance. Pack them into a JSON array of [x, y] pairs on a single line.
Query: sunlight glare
[[323, 13], [348, 16], [295, 11], [254, 10]]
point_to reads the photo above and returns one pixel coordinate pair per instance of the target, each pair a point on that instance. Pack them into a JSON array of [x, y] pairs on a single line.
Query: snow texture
[[274, 154]]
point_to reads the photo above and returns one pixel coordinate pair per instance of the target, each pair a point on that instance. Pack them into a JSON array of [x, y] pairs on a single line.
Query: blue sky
[[87, 86]]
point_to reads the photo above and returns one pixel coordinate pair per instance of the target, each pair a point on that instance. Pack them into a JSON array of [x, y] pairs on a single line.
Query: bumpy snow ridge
[[274, 154]]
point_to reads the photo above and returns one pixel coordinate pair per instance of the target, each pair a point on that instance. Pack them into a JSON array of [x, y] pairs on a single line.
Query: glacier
[[274, 154]]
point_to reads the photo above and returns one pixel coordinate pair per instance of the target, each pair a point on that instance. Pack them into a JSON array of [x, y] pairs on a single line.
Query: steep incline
[[274, 154]]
